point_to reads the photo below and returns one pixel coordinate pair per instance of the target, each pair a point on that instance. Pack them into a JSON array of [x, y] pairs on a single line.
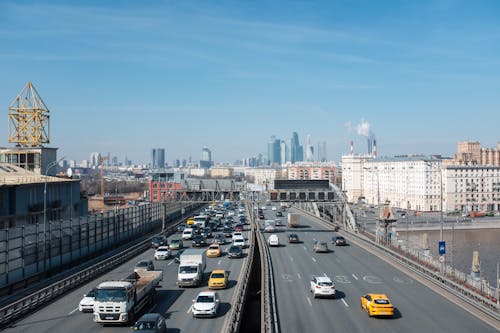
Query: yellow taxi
[[377, 305], [218, 279], [190, 221], [213, 251]]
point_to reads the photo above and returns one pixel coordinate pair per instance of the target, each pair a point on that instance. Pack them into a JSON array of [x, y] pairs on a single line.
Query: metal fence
[[31, 250]]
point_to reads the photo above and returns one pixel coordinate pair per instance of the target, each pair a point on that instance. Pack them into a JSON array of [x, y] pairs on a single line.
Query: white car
[[162, 253], [322, 286], [273, 240], [239, 241], [87, 302], [206, 304]]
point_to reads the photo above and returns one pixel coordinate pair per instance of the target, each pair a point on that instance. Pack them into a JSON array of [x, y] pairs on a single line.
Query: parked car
[[159, 240], [235, 251], [87, 302], [293, 238], [176, 244], [151, 323], [206, 304], [273, 240], [218, 279], [322, 286], [198, 241], [320, 247], [339, 241], [162, 253], [377, 305], [144, 265]]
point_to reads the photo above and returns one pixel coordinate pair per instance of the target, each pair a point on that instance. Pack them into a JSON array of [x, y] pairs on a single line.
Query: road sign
[[442, 248], [441, 259]]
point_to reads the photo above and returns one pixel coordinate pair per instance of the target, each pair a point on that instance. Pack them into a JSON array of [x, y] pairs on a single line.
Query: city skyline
[[115, 76]]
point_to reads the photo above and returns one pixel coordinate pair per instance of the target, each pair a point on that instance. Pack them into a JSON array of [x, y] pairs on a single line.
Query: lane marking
[[314, 259], [190, 308], [345, 303], [298, 274], [73, 311], [354, 276], [310, 304]]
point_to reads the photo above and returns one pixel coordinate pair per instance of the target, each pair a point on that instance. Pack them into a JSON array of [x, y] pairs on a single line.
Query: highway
[[355, 272], [172, 302]]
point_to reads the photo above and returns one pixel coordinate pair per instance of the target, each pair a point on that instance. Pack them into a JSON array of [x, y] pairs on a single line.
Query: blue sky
[[125, 76]]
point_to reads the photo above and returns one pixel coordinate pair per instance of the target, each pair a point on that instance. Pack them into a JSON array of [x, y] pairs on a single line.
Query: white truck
[[293, 220], [192, 263], [119, 301]]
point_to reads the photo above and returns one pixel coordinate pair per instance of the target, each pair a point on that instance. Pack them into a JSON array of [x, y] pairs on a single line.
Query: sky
[[126, 76]]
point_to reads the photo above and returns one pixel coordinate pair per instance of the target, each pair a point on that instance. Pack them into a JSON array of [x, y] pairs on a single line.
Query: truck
[[192, 263], [118, 301], [293, 220]]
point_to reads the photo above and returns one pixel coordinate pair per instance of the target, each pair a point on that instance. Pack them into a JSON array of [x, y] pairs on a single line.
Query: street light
[[49, 166]]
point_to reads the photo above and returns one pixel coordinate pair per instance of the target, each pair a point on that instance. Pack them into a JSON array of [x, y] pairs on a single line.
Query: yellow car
[[218, 279], [377, 305], [190, 221], [213, 251]]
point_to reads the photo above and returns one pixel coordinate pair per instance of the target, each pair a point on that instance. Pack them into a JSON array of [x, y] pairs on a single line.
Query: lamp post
[[49, 166]]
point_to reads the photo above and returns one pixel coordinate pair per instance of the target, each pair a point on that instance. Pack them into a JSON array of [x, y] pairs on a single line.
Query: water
[[459, 251]]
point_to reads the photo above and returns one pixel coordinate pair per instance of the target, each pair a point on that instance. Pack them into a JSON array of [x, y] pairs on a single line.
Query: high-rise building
[[206, 158], [157, 158]]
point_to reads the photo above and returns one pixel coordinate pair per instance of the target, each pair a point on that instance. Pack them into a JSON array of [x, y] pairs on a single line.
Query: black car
[[206, 232], [235, 251], [293, 238], [158, 241], [279, 214], [198, 240], [339, 241], [177, 258], [228, 231]]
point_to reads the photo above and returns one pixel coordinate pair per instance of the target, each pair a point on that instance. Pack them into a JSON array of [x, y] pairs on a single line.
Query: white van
[[273, 240], [187, 233]]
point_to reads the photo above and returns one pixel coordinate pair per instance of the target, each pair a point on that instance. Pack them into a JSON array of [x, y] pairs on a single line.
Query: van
[[187, 233]]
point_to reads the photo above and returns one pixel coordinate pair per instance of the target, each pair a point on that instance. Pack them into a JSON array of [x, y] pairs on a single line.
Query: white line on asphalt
[[73, 311], [309, 301], [314, 259], [354, 276], [298, 274], [345, 303], [190, 308]]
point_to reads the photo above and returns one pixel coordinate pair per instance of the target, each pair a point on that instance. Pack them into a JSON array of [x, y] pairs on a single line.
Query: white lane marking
[[291, 258], [354, 276], [170, 263], [314, 259], [310, 304], [345, 303], [298, 274], [73, 311], [190, 308]]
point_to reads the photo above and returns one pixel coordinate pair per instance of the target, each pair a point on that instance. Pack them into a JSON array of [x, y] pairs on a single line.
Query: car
[[181, 227], [235, 251], [187, 233], [151, 323], [206, 232], [177, 258], [293, 238], [176, 244], [159, 240], [339, 241], [238, 227], [273, 240], [239, 240], [279, 214], [322, 286], [261, 216], [218, 279], [219, 239], [228, 231], [144, 265], [377, 305], [162, 253], [320, 247], [198, 241], [87, 302], [213, 251], [206, 304]]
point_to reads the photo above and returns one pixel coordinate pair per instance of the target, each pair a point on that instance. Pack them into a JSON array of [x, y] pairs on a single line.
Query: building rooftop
[[14, 175]]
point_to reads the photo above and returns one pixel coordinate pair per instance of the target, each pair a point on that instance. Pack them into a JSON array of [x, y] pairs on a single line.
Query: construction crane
[[101, 163]]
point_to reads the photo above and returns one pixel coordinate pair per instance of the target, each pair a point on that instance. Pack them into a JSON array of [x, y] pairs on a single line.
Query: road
[[173, 302], [355, 272]]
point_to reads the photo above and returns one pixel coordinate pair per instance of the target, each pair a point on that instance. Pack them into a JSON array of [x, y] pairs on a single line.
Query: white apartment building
[[352, 175]]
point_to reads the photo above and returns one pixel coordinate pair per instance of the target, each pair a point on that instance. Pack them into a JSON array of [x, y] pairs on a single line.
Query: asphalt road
[[355, 272], [173, 302]]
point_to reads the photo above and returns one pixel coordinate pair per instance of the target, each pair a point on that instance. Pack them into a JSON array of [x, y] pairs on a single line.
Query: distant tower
[[29, 123]]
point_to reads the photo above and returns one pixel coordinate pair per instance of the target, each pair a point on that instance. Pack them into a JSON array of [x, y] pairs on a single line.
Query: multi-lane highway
[[355, 272], [172, 302]]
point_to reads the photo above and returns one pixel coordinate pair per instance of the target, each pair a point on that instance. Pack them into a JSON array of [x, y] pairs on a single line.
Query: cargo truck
[[192, 264], [293, 220], [118, 301]]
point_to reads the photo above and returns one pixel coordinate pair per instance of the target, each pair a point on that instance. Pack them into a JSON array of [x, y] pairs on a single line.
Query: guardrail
[[29, 303], [485, 305], [233, 321]]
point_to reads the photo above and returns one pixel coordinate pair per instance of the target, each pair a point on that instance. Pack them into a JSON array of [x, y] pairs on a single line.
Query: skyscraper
[[206, 158]]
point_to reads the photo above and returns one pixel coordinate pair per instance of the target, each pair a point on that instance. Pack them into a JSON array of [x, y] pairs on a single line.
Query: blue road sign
[[442, 248]]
